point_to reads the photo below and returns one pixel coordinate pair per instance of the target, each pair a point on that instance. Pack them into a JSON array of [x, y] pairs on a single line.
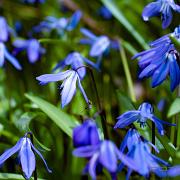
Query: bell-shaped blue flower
[[76, 61], [32, 46], [106, 154], [161, 60], [141, 115], [138, 149], [163, 8], [70, 78], [26, 154], [59, 24], [86, 134], [4, 54]]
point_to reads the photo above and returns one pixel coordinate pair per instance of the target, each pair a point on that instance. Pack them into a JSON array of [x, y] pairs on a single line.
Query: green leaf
[[175, 42], [11, 176], [122, 19], [64, 121], [174, 108]]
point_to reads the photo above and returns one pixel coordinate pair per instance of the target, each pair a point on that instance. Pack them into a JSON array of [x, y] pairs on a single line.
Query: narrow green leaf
[[175, 42], [174, 108], [64, 121], [11, 176], [122, 19]]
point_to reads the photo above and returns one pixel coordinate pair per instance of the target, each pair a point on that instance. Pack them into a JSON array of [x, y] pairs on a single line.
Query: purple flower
[[105, 154], [33, 1], [70, 78], [141, 115], [26, 154], [32, 46], [77, 62], [104, 12], [163, 8], [4, 54], [86, 134], [161, 60], [139, 150], [173, 171], [59, 24]]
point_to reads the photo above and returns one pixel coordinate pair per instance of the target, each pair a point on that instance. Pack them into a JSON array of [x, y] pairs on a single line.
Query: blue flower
[[70, 78], [4, 29], [26, 154], [99, 45], [163, 8], [32, 46], [139, 150], [86, 134], [161, 60], [33, 1], [59, 24], [76, 61], [105, 154], [141, 115], [104, 12], [4, 54], [173, 171]]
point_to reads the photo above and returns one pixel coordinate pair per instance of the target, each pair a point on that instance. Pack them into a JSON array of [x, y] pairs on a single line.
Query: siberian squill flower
[[4, 29], [70, 78], [144, 112], [33, 1], [32, 46], [76, 61], [59, 24], [105, 154], [86, 134], [104, 12], [163, 8], [4, 54], [161, 60], [138, 149], [26, 154]]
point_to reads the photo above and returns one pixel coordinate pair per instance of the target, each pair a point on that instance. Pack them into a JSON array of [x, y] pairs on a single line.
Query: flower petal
[[2, 54], [92, 165], [3, 29], [88, 33]]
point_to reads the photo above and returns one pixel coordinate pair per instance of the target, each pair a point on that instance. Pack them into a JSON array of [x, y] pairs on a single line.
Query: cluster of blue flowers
[[158, 62]]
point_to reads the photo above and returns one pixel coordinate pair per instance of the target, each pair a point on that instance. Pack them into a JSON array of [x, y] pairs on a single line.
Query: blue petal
[[127, 118], [152, 9], [10, 151], [166, 18], [46, 78], [69, 89], [92, 165], [108, 157], [20, 43], [74, 20], [49, 170], [88, 33], [86, 151], [148, 71], [12, 60], [27, 158], [174, 171], [2, 54], [124, 142], [100, 46], [3, 29], [174, 71], [160, 74], [33, 50], [128, 174]]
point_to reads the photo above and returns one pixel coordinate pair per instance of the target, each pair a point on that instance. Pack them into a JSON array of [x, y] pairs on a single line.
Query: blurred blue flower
[[59, 24], [4, 54], [4, 29], [69, 77], [86, 134], [139, 150], [141, 115], [163, 8], [173, 171], [33, 1], [26, 154], [106, 154], [104, 12], [161, 60], [77, 62], [32, 46]]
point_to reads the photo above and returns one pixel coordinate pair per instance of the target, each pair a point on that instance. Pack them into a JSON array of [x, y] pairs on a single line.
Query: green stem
[[178, 121], [127, 74], [173, 130]]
